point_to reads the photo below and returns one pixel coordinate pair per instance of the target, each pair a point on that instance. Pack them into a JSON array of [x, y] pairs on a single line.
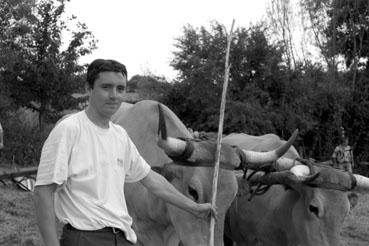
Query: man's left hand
[[205, 210]]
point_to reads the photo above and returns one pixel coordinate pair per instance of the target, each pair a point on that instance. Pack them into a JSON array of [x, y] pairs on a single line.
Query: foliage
[[356, 116], [40, 75], [255, 67], [22, 140], [265, 95], [13, 32], [149, 87], [351, 29]]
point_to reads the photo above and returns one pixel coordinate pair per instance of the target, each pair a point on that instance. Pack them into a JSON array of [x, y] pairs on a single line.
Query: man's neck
[[96, 118]]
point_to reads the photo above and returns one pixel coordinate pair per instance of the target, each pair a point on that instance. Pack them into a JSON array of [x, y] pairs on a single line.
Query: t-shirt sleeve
[[138, 167], [55, 154]]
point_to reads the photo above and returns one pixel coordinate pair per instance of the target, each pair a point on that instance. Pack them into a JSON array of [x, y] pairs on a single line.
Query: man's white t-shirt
[[91, 164], [343, 154]]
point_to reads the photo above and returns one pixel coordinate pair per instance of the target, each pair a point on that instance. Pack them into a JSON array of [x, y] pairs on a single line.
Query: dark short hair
[[103, 65]]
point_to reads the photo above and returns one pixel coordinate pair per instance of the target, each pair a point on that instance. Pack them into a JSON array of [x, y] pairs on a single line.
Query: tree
[[350, 32], [255, 83], [314, 14], [15, 18], [281, 17], [42, 76], [200, 61]]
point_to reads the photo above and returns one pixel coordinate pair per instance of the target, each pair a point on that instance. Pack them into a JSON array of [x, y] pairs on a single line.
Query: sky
[[141, 33]]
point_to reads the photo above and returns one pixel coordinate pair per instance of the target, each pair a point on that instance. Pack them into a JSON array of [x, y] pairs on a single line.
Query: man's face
[[345, 142], [107, 93]]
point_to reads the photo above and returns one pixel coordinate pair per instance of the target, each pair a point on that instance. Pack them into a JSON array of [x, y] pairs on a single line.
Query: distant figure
[[342, 156]]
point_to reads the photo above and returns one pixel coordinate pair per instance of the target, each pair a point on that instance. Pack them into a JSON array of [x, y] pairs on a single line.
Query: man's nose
[[113, 93]]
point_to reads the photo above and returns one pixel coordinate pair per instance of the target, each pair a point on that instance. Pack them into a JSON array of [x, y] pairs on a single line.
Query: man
[[85, 162], [342, 156]]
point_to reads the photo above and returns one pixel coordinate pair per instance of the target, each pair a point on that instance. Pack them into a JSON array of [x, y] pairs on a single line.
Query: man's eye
[[121, 89]]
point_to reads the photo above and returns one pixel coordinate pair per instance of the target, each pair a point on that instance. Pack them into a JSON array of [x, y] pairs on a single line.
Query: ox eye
[[193, 193], [314, 210]]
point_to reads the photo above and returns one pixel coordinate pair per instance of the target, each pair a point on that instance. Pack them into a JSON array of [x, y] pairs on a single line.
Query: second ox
[[295, 213]]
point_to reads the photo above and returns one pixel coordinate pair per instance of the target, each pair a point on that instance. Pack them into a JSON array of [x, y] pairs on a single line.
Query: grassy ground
[[17, 218], [356, 227], [18, 223]]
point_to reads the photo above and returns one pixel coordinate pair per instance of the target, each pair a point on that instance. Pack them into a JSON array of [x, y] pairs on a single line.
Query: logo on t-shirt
[[120, 162]]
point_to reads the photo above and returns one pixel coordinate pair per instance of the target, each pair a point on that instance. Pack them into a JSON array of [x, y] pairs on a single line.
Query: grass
[[17, 217], [356, 228], [18, 223]]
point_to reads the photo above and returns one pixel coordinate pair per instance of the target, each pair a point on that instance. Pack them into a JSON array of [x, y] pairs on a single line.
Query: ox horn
[[171, 146], [194, 153], [284, 163], [282, 177], [362, 182], [345, 180], [253, 158]]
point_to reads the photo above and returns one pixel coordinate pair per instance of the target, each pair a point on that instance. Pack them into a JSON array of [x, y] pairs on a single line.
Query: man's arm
[[334, 157], [158, 185], [44, 204]]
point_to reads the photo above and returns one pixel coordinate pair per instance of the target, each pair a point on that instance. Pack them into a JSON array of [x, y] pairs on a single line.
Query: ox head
[[324, 201], [195, 181], [318, 200]]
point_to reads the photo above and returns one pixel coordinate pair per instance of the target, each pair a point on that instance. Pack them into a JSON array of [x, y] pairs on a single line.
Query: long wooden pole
[[220, 133]]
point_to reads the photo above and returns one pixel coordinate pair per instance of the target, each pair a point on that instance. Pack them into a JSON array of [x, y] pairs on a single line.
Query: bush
[[22, 141]]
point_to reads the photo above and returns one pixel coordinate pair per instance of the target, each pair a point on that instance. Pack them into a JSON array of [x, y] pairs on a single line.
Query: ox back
[[294, 215], [155, 222]]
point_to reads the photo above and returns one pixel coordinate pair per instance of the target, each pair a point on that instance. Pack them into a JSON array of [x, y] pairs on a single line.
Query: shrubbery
[[22, 141]]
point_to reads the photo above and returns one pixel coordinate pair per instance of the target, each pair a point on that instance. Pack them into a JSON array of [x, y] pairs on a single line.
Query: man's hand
[[204, 210], [159, 186]]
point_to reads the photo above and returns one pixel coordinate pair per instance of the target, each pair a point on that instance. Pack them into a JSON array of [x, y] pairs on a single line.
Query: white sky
[[141, 33]]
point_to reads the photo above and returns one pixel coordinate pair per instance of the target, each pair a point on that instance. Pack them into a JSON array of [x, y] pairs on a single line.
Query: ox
[[295, 214], [155, 222]]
